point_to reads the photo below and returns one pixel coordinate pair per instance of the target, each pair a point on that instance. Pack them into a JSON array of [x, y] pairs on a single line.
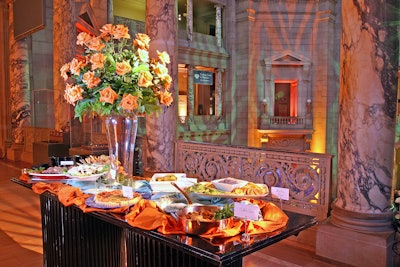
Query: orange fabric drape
[[146, 215]]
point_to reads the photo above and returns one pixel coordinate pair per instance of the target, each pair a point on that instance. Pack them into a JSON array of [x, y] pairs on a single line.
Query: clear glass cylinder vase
[[121, 133]]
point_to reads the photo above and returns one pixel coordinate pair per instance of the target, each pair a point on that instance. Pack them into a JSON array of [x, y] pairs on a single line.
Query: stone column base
[[14, 152], [354, 248]]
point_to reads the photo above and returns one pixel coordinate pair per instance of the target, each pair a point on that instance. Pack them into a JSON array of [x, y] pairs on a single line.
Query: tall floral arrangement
[[115, 75]]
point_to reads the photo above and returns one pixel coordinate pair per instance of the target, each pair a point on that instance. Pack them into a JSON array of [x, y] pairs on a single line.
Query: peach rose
[[97, 61], [142, 41], [96, 44], [143, 55], [123, 68], [166, 98], [129, 102], [166, 80], [75, 66], [164, 57], [106, 29], [108, 95], [90, 80], [64, 71], [160, 69], [120, 31], [145, 79], [83, 38], [73, 93]]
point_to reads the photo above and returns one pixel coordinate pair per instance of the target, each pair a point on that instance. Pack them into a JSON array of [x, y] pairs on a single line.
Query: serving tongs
[[185, 195]]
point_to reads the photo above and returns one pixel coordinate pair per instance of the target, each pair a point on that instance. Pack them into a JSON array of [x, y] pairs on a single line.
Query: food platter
[[222, 194], [85, 178], [48, 176], [91, 203], [230, 195]]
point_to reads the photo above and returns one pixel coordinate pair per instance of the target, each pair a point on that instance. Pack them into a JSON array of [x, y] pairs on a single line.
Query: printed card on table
[[246, 211], [280, 193], [127, 191]]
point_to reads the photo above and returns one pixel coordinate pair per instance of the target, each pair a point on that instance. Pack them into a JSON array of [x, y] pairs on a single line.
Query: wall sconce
[[182, 108], [264, 106]]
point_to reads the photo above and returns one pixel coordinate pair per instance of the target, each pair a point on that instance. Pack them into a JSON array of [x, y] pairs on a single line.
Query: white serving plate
[[85, 178], [48, 176], [228, 184], [166, 186]]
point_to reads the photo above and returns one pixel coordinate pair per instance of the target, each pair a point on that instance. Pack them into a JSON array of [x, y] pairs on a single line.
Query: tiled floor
[[20, 222]]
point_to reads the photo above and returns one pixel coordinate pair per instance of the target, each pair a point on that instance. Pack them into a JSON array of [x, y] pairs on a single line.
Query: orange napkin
[[146, 215], [24, 177], [69, 195], [273, 219]]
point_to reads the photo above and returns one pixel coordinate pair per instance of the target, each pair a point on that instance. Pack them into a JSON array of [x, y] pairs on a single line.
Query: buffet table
[[72, 237]]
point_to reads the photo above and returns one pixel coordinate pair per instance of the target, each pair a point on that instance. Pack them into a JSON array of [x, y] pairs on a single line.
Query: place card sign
[[66, 162], [203, 77], [280, 192], [246, 211], [127, 191]]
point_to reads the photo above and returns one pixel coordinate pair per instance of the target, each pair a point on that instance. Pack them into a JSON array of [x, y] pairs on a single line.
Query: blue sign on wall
[[203, 77]]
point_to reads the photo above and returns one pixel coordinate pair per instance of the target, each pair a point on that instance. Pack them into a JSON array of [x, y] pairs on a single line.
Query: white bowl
[[228, 184], [166, 186]]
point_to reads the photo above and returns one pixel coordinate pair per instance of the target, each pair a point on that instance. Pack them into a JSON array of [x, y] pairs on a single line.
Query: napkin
[[69, 195], [146, 215], [273, 219]]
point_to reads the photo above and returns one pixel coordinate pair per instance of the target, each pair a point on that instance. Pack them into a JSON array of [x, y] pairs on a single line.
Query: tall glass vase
[[121, 136]]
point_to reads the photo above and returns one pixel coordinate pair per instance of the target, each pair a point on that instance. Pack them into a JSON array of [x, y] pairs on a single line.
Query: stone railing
[[306, 175], [281, 122]]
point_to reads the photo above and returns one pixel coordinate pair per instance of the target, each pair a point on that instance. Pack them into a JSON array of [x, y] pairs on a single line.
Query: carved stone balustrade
[[306, 175]]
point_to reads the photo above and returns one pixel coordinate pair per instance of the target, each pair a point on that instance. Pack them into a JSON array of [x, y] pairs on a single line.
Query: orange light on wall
[[182, 108]]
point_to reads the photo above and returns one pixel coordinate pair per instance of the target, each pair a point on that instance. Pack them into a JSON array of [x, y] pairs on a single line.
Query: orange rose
[[64, 71], [120, 31], [145, 79], [90, 80], [166, 80], [75, 66], [143, 55], [96, 44], [108, 95], [166, 98], [123, 68], [83, 38], [73, 93], [160, 69], [97, 61], [164, 57], [106, 29], [142, 41], [129, 102]]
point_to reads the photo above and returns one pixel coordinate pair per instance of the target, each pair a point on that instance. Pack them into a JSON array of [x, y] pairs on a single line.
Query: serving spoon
[[185, 195]]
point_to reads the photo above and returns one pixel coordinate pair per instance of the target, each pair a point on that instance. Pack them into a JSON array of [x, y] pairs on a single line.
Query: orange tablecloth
[[146, 214]]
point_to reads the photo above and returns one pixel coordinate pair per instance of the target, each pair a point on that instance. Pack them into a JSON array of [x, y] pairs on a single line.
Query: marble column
[[64, 47], [19, 83], [368, 93], [190, 79], [218, 72], [110, 11], [359, 230], [161, 26], [218, 93], [189, 20], [218, 24]]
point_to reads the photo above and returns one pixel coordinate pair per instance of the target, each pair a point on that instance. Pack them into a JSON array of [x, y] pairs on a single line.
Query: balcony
[[284, 123], [288, 133]]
